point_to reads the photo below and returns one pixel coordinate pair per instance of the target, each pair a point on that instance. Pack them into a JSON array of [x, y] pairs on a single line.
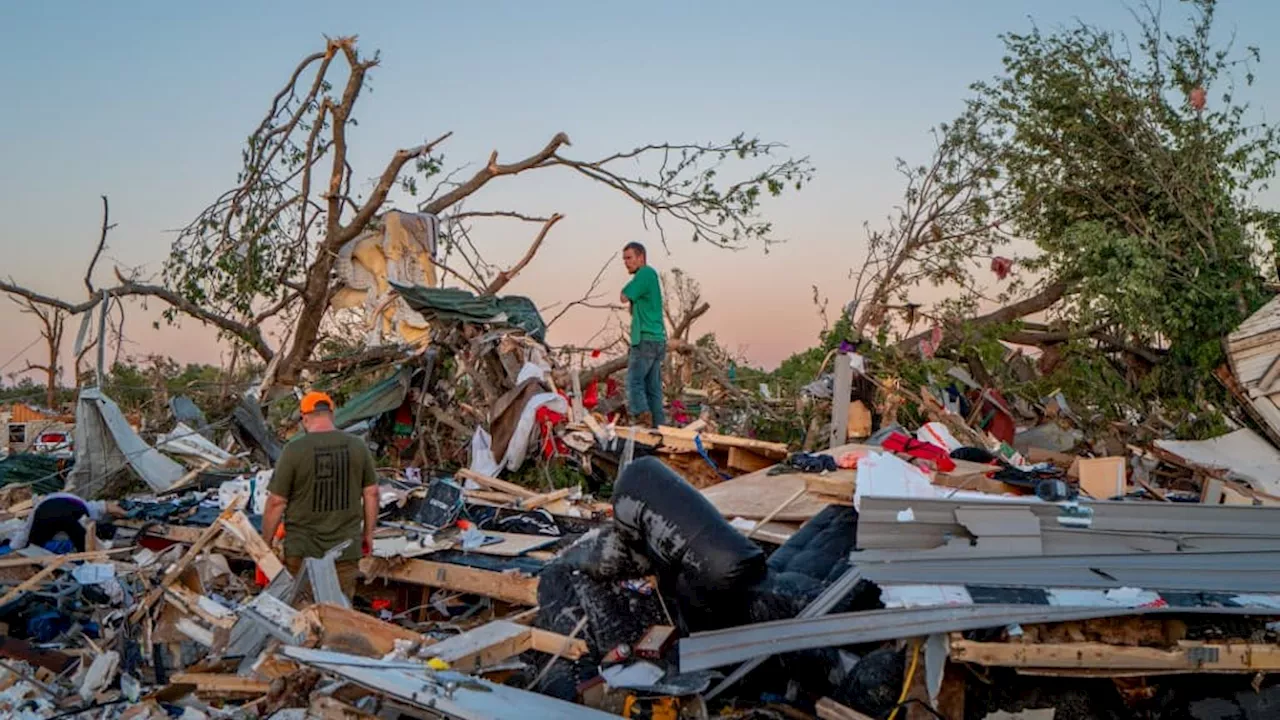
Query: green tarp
[[40, 471], [463, 306], [385, 396]]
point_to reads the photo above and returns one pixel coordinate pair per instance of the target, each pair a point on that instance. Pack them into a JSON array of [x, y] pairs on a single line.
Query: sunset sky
[[150, 103]]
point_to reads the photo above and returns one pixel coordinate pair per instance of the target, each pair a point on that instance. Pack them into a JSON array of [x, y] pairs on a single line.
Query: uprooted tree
[[258, 263], [1134, 175]]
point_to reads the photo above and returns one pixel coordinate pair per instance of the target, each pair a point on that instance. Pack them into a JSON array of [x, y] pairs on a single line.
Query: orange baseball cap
[[312, 400]]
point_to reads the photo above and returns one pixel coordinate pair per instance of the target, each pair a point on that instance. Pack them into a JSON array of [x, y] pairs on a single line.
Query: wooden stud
[[496, 484], [239, 526], [829, 709], [509, 587], [747, 460], [1187, 656], [220, 683]]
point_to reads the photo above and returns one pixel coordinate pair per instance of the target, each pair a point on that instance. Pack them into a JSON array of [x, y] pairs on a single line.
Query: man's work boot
[[645, 420]]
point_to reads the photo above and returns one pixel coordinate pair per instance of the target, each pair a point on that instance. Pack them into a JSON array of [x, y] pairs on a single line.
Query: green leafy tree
[[1135, 173]]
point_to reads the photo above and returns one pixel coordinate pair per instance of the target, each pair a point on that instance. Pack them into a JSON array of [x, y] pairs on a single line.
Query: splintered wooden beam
[[495, 484], [747, 460], [1187, 656], [498, 640], [219, 683], [239, 526], [345, 628], [538, 501], [511, 587]]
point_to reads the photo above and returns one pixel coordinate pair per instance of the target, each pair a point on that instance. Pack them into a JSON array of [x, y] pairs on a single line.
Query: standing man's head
[[317, 412], [634, 257]]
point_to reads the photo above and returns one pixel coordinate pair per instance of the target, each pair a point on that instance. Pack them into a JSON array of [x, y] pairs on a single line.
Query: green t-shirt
[[323, 476], [645, 293]]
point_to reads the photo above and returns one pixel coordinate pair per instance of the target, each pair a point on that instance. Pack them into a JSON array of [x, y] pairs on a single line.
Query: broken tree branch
[[507, 276]]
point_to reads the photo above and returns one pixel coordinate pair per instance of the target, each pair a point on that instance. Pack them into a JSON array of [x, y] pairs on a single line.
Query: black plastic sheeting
[[251, 430], [699, 557]]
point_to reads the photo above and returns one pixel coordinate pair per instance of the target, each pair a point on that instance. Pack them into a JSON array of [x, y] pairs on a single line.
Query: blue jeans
[[644, 379]]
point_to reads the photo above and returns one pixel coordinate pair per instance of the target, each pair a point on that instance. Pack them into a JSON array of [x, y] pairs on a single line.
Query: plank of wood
[[175, 571], [538, 501], [224, 544], [351, 631], [1187, 655], [491, 496], [838, 487], [510, 587], [551, 643], [239, 526], [34, 581], [763, 447], [747, 460], [655, 642], [829, 709], [753, 495], [1211, 491], [220, 683], [486, 645], [496, 484], [12, 561]]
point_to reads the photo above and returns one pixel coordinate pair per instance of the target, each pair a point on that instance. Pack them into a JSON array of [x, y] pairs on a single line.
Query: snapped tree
[[261, 255]]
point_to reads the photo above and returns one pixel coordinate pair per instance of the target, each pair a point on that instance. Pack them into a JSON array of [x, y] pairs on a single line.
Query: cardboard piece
[[1102, 478]]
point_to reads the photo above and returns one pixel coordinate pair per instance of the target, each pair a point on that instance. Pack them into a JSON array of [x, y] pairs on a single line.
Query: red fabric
[[595, 353], [1001, 266], [610, 387], [547, 420], [899, 443], [591, 396]]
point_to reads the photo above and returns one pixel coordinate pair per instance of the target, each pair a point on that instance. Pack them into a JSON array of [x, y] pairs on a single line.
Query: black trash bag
[[615, 615], [705, 560], [875, 683]]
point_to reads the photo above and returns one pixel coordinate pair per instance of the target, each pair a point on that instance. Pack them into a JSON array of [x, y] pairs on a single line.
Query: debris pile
[[989, 561]]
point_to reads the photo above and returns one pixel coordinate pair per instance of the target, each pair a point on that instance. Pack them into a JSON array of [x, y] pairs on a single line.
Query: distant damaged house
[[24, 424]]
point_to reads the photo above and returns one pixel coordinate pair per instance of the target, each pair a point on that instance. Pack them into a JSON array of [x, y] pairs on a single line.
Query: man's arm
[[370, 517], [272, 514]]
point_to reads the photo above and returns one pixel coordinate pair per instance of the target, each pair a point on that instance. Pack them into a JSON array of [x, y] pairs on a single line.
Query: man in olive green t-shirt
[[325, 489], [648, 338]]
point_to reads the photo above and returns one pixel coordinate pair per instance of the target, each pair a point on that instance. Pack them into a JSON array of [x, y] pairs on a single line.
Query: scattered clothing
[[806, 463], [901, 443], [323, 476]]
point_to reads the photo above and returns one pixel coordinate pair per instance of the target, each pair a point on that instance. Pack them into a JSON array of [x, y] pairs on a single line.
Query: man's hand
[[622, 298], [366, 546]]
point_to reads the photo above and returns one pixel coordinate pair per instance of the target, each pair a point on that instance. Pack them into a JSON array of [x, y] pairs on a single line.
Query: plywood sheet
[[755, 495]]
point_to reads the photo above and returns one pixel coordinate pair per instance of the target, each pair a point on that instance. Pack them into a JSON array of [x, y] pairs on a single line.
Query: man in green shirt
[[648, 338], [325, 489]]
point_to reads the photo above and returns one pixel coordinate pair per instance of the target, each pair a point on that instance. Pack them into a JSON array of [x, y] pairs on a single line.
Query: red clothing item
[[900, 443]]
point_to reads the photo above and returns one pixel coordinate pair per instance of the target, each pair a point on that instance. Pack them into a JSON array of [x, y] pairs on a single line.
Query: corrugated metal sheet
[[1113, 528], [702, 651], [1247, 572]]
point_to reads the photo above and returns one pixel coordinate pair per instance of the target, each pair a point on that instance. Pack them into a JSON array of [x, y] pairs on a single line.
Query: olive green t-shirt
[[645, 293], [323, 476]]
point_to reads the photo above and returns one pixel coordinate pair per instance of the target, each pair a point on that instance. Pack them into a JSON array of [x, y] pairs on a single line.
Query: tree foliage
[[264, 250], [1133, 188]]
